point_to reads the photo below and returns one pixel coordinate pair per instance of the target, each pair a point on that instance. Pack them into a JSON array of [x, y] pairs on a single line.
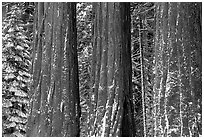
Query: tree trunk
[[54, 97], [142, 43], [177, 86], [111, 112]]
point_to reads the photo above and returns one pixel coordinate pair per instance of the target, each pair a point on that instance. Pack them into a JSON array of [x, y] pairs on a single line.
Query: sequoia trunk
[[111, 112], [54, 98]]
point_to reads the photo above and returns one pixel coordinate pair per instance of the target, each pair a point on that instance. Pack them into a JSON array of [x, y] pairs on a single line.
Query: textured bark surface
[[54, 98], [178, 70], [111, 112]]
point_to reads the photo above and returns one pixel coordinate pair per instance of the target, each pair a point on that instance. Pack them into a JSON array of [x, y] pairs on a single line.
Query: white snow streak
[[104, 125], [49, 94]]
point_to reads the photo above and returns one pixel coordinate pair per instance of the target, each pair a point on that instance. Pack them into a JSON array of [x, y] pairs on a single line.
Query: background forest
[[101, 69]]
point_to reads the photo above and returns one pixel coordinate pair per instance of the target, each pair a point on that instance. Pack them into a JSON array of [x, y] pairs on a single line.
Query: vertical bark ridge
[[36, 62]]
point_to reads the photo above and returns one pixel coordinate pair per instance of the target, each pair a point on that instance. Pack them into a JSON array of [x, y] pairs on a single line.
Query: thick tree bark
[[54, 101], [111, 112], [177, 86]]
